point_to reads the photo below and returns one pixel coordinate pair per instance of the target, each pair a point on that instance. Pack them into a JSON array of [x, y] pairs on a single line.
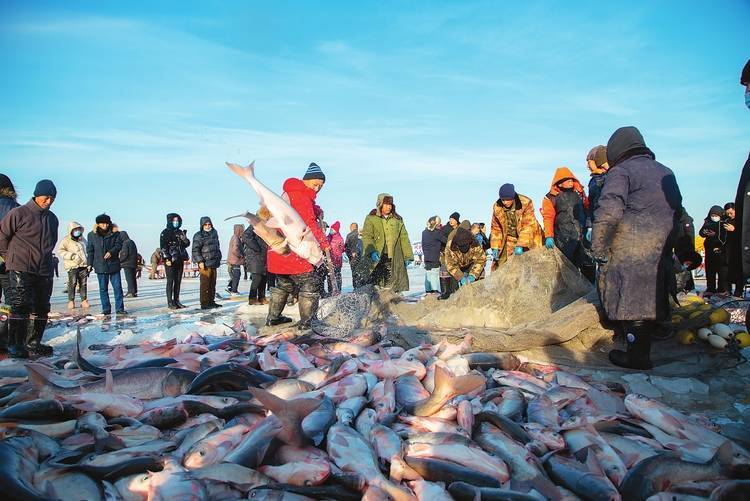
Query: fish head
[[175, 385], [201, 455]]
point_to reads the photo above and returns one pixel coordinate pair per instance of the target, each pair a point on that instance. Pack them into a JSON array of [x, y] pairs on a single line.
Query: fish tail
[[400, 471], [38, 375], [289, 412], [394, 491]]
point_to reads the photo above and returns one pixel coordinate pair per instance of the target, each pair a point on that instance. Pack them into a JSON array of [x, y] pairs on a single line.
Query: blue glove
[[549, 243], [407, 262], [518, 251], [472, 278], [375, 256], [464, 280], [495, 254], [588, 234]]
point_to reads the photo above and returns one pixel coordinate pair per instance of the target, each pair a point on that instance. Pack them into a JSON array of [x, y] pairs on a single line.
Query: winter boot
[[3, 333], [445, 286], [34, 338], [308, 307], [276, 306], [638, 348], [17, 329]]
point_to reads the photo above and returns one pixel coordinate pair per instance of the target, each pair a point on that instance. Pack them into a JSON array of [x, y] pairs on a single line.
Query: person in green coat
[[386, 249]]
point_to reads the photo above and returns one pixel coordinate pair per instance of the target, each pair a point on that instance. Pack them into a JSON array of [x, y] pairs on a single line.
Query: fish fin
[[108, 381], [289, 412], [383, 353], [272, 222], [39, 375], [461, 385], [400, 470], [724, 454]]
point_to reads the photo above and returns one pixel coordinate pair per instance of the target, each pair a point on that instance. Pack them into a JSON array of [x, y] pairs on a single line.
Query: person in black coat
[[173, 243], [448, 284], [740, 265], [633, 242], [353, 250], [597, 163], [128, 263], [256, 251], [207, 254], [103, 256], [433, 243], [715, 245], [733, 258], [687, 259], [7, 202]]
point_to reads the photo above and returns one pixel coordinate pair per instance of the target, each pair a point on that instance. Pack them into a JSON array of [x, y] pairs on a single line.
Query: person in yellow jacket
[[72, 248], [514, 228]]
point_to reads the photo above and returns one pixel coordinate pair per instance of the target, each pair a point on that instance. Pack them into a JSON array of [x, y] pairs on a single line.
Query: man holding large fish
[[293, 215]]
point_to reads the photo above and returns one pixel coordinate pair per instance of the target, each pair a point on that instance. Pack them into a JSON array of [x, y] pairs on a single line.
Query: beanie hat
[[103, 218], [45, 188], [336, 226], [598, 154], [465, 224], [745, 77], [507, 192], [455, 216], [314, 172], [5, 182]]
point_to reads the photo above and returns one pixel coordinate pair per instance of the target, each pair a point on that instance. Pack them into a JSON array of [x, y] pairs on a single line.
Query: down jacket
[[206, 246], [71, 250]]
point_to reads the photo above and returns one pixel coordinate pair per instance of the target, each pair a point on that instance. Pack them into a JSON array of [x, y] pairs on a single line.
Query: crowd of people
[[630, 234]]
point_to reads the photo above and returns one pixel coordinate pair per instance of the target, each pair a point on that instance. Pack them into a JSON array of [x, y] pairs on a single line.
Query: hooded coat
[[564, 211], [715, 245], [173, 241], [336, 241], [255, 250], [206, 246], [464, 255], [739, 266], [634, 229], [529, 230], [129, 251], [7, 201], [73, 251], [236, 254], [98, 245], [388, 237], [302, 199]]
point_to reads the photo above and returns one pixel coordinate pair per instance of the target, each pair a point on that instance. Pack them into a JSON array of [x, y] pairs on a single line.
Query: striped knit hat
[[314, 172]]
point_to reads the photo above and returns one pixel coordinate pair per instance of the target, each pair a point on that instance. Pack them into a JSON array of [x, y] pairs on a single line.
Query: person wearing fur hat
[[336, 241], [715, 232], [73, 251], [7, 202], [102, 256], [597, 163], [564, 211], [386, 249], [28, 235], [292, 272], [633, 242], [514, 228], [464, 256]]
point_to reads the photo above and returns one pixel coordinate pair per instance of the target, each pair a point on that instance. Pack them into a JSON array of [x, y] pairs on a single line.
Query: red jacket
[[302, 199]]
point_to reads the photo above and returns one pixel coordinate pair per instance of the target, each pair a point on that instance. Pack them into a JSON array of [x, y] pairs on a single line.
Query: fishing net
[[340, 315]]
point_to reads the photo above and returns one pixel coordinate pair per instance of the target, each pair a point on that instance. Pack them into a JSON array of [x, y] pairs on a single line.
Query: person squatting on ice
[[632, 240], [28, 235], [73, 251], [173, 243], [207, 254], [386, 247], [291, 270]]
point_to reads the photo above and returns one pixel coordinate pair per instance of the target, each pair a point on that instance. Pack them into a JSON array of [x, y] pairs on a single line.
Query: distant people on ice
[[207, 255], [28, 235], [102, 256], [73, 251], [386, 247], [235, 259], [291, 271], [173, 243], [353, 249], [129, 263], [337, 256], [514, 228]]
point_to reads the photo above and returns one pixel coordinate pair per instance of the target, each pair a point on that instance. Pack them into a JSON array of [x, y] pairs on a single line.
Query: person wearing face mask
[[292, 272], [564, 210], [386, 249], [514, 228], [73, 251], [464, 256], [28, 235], [102, 256], [715, 232], [173, 243], [633, 241]]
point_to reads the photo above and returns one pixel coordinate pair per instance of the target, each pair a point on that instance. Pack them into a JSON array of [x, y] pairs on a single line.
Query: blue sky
[[133, 107]]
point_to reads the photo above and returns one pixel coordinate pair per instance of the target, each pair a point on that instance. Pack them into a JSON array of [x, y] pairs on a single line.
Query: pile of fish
[[296, 417]]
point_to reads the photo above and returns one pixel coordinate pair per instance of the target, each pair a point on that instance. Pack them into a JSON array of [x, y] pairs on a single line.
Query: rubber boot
[[276, 306], [17, 329], [445, 284], [3, 333], [34, 336], [308, 307], [638, 348]]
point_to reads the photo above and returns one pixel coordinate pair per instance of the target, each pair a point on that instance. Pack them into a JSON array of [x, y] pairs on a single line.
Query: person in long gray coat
[[633, 233]]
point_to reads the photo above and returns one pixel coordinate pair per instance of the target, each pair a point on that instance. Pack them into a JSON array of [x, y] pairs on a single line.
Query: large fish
[[17, 471], [298, 236], [275, 241]]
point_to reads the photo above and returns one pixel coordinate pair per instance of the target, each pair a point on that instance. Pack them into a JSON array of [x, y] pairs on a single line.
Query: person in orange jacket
[[564, 210]]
